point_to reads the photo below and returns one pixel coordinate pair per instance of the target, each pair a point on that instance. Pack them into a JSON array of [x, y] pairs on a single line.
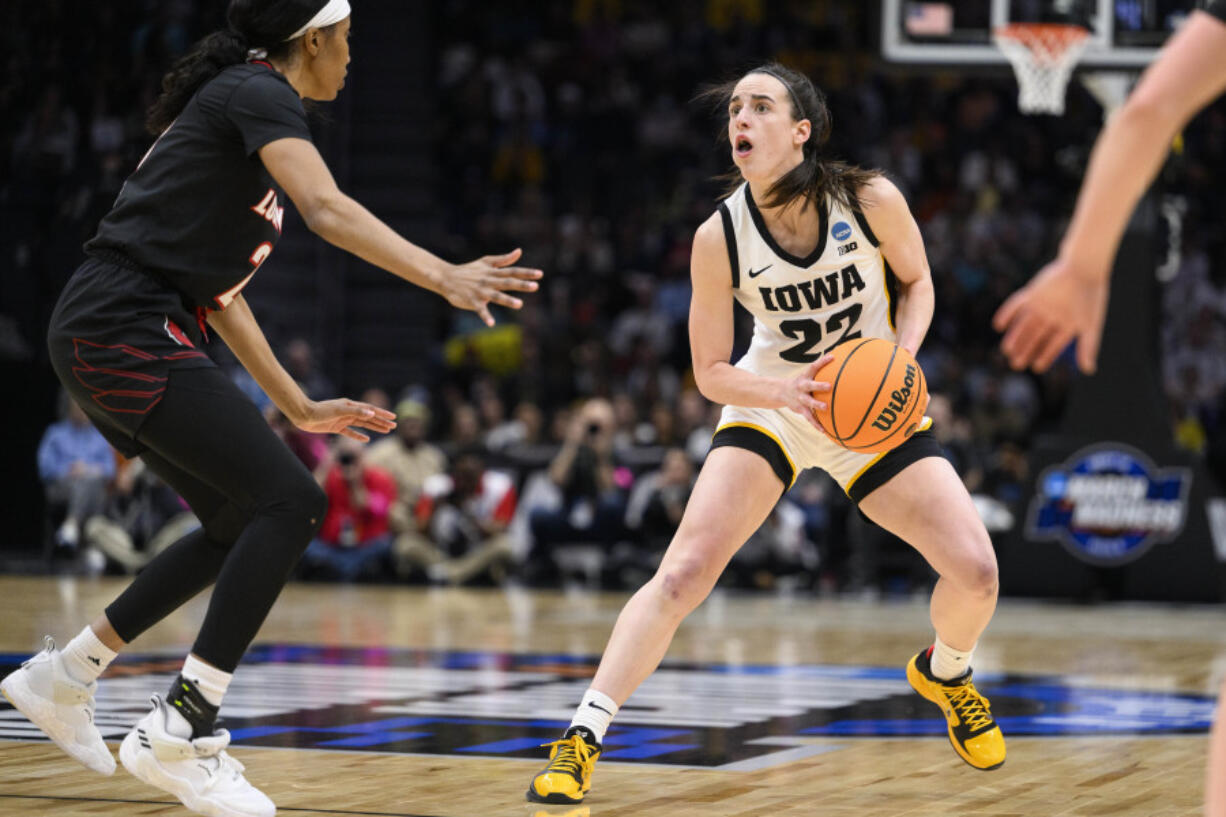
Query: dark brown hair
[[262, 24], [816, 177]]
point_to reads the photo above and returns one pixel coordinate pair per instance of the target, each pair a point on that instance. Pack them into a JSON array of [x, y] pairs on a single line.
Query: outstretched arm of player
[[238, 328], [711, 335], [298, 168], [887, 213], [1068, 298]]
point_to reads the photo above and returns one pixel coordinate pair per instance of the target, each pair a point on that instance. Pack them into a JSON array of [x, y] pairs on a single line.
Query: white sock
[[86, 657], [948, 663], [595, 713], [211, 681]]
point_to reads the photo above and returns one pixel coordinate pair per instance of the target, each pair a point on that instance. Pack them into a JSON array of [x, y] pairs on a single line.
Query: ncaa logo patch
[[1108, 504], [841, 231]]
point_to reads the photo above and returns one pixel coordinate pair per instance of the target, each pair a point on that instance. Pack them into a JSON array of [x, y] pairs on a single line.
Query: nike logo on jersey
[[813, 294], [756, 273], [595, 705], [96, 662]]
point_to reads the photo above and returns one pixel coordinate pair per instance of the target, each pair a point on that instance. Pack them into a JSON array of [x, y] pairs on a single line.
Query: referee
[[190, 228]]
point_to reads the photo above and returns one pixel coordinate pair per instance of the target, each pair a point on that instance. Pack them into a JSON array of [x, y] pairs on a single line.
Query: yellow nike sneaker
[[568, 775], [974, 735]]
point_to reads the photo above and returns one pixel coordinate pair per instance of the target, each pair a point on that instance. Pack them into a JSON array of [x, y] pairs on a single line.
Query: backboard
[[1124, 34]]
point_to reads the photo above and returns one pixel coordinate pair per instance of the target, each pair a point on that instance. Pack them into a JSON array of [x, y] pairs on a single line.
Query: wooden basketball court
[[1118, 702]]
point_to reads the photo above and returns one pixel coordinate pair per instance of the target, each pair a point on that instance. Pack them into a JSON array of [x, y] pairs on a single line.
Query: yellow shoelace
[[573, 754], [972, 708]]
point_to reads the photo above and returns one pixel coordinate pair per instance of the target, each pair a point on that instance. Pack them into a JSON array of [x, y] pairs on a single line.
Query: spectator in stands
[[778, 548], [75, 464], [523, 429], [694, 427], [300, 363], [954, 435], [355, 539], [462, 519], [143, 517], [465, 429], [661, 498], [411, 461], [592, 489], [377, 397]]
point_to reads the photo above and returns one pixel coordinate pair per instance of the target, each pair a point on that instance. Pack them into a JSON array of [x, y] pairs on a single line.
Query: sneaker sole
[[145, 768], [913, 674], [41, 712], [552, 799]]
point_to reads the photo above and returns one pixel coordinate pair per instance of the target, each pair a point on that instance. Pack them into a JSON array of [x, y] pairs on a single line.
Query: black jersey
[[200, 211], [1217, 8]]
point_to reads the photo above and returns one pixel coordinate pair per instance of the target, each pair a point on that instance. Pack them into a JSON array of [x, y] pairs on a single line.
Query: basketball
[[878, 393]]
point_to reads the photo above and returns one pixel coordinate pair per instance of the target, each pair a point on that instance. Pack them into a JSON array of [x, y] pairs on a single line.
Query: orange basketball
[[877, 397]]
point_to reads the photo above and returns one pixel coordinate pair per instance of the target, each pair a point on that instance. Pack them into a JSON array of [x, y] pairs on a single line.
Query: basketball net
[[1043, 56]]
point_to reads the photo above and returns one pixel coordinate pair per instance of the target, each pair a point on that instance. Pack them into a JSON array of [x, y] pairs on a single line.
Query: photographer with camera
[[461, 524], [355, 539], [593, 491]]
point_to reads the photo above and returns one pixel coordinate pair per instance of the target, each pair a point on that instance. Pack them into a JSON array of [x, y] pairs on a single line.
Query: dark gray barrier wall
[[1114, 509]]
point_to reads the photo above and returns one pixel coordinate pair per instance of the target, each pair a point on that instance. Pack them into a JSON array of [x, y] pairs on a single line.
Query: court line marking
[[177, 803]]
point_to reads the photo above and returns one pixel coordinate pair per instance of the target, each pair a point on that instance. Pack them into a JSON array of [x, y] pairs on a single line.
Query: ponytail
[[206, 60], [268, 25]]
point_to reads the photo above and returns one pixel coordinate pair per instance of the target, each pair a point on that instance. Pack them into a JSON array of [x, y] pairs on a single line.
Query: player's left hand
[[343, 416], [479, 283], [1059, 304]]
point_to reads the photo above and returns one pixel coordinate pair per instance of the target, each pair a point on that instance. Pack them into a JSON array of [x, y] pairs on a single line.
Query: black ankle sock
[[189, 702]]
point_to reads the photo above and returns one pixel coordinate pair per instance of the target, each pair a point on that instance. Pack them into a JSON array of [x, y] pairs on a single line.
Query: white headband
[[332, 13]]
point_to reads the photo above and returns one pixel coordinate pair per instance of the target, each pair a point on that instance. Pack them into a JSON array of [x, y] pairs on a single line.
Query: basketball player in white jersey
[[1067, 300], [819, 252]]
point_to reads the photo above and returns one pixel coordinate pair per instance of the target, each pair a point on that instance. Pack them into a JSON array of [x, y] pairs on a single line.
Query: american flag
[[929, 19]]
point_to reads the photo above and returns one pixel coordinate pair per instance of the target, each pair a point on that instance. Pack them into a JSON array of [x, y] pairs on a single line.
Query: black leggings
[[258, 505]]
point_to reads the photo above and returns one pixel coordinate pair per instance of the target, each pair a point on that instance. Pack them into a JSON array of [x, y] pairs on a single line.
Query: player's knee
[[223, 528], [684, 583], [980, 575], [301, 502]]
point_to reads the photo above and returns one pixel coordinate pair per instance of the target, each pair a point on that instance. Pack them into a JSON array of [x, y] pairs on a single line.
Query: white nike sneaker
[[199, 772], [61, 706]]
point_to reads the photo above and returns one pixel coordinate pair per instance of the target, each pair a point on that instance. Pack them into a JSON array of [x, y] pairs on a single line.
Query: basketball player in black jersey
[[1067, 300], [190, 228]]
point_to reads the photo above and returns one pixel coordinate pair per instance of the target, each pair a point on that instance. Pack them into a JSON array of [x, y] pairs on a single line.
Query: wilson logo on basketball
[[898, 401], [876, 398]]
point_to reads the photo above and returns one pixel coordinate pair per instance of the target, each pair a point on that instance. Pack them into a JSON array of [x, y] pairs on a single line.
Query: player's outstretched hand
[[800, 393], [1043, 317], [479, 283], [343, 416]]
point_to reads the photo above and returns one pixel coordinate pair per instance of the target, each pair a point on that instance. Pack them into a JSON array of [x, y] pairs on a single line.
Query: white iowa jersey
[[804, 307]]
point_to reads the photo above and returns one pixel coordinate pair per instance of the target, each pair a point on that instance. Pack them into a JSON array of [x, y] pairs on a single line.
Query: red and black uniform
[[191, 226]]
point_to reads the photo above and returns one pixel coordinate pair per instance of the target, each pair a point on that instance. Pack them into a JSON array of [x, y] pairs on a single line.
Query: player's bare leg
[[927, 506], [1215, 773], [734, 494]]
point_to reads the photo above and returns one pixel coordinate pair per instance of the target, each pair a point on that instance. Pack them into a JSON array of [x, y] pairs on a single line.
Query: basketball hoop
[[1043, 56]]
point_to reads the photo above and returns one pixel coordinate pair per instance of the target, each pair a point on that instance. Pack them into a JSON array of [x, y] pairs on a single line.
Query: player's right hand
[[800, 393], [1041, 319], [479, 283]]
